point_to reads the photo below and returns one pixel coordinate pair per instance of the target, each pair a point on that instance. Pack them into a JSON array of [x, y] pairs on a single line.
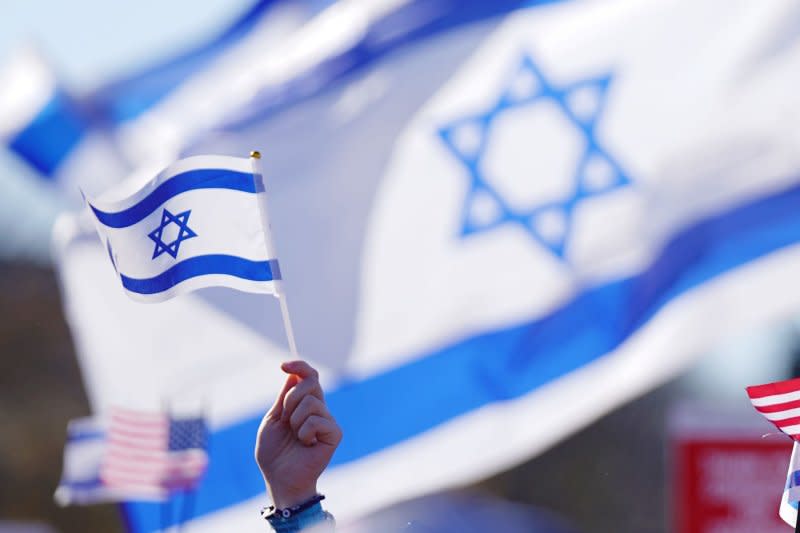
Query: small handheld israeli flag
[[200, 222]]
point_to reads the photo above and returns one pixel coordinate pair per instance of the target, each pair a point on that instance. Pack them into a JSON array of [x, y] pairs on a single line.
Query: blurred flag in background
[[780, 404], [133, 455], [83, 140], [46, 125], [152, 452], [497, 222]]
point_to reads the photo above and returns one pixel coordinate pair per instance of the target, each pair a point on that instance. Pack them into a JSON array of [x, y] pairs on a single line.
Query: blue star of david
[[184, 232], [596, 172]]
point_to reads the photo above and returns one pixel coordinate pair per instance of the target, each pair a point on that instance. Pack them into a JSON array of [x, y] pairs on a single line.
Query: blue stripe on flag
[[51, 135], [507, 363], [206, 178], [92, 434], [410, 23], [82, 484], [203, 265], [128, 98]]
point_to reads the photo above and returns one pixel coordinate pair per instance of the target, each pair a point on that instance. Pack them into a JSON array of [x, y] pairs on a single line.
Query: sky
[[88, 42]]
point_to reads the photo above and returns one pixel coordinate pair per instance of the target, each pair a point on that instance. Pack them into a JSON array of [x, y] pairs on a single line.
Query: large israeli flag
[[201, 222], [502, 221]]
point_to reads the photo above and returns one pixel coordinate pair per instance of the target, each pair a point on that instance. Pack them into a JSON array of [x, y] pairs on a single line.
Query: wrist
[[299, 518], [285, 496]]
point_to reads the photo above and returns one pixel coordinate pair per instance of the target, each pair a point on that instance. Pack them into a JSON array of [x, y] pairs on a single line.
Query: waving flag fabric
[[264, 25], [491, 211], [201, 222], [780, 403]]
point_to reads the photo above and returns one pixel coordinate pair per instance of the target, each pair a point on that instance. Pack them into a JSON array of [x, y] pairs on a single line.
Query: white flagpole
[[287, 324], [258, 176]]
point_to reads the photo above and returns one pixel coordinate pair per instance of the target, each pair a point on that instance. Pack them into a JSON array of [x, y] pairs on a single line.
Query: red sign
[[730, 487], [728, 481]]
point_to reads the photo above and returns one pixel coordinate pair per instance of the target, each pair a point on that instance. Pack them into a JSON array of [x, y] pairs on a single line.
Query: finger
[[318, 429], [301, 368], [307, 387], [310, 405], [277, 408]]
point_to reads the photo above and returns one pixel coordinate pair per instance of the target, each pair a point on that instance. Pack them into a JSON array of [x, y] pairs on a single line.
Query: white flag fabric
[[500, 223], [201, 222], [791, 493]]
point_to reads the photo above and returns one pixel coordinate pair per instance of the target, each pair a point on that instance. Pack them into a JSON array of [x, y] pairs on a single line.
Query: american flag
[[148, 455], [780, 403]]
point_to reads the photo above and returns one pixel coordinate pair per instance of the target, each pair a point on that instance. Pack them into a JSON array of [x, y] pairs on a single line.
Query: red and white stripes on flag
[[780, 403], [150, 454]]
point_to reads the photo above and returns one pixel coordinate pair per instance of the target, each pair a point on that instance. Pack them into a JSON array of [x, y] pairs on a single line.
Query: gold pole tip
[[255, 154]]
